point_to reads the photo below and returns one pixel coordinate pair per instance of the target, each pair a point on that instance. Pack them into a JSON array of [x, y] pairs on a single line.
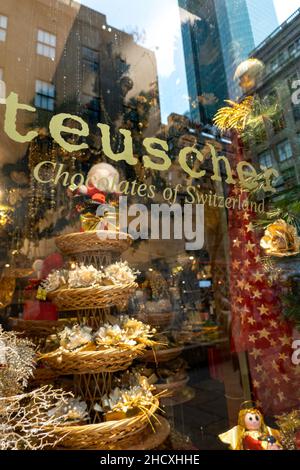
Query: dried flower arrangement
[[123, 402], [77, 336], [88, 276], [26, 419], [16, 363], [163, 374], [69, 411], [128, 332], [120, 273], [124, 332], [280, 239]]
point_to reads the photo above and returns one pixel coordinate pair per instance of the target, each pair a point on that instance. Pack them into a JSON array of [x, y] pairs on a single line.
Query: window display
[[149, 225]]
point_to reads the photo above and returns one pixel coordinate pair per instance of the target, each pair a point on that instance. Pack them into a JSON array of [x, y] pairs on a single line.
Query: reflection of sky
[[285, 8], [159, 19]]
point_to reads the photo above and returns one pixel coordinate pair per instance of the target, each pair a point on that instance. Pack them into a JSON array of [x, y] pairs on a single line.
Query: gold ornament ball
[[248, 73]]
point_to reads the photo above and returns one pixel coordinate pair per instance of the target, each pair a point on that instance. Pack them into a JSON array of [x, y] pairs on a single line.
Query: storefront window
[[149, 225]]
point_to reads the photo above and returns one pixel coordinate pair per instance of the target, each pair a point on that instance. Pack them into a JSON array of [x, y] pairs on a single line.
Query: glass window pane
[[37, 101], [3, 22], [2, 35], [38, 86], [40, 35], [40, 48], [48, 43], [52, 41], [50, 104], [284, 150], [162, 72], [52, 91]]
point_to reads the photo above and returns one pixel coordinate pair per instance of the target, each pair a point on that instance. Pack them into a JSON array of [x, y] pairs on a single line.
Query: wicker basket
[[171, 387], [161, 320], [92, 297], [37, 328], [91, 362], [161, 355], [81, 242], [103, 436], [150, 438]]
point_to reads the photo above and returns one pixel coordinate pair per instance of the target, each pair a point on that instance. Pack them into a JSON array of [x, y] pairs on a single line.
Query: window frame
[[3, 29], [40, 94], [280, 145], [264, 155], [43, 45]]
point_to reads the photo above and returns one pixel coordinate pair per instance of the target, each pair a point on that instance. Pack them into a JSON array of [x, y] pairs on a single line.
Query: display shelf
[[92, 370]]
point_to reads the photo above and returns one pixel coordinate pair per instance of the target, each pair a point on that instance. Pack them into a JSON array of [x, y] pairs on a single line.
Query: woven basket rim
[[82, 234], [170, 312], [156, 355], [89, 354], [90, 289], [165, 352], [172, 385], [108, 425], [77, 242]]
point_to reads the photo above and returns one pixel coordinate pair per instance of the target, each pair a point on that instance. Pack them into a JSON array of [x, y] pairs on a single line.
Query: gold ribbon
[[90, 221]]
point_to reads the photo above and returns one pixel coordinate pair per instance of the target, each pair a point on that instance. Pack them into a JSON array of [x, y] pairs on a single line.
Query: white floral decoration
[[124, 399], [89, 276], [54, 280], [70, 410], [75, 337], [84, 276], [120, 273], [17, 362], [128, 332]]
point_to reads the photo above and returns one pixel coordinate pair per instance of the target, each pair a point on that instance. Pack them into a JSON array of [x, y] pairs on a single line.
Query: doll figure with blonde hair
[[251, 432]]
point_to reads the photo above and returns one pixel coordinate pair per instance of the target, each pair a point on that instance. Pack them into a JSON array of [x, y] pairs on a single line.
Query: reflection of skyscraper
[[205, 71], [217, 36], [263, 19], [243, 24]]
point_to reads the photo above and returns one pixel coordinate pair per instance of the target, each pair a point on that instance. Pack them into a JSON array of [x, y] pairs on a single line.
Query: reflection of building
[[262, 17], [218, 35], [73, 62], [243, 24], [203, 59], [280, 54], [59, 56]]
